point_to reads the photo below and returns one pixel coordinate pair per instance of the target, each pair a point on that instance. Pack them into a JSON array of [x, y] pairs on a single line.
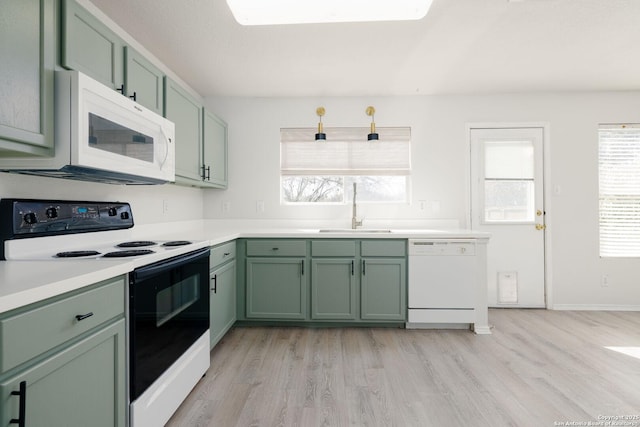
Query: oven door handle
[[145, 272]]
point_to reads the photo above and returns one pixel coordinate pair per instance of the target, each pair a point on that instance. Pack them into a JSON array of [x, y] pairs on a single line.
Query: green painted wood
[[241, 280], [333, 288], [215, 149], [276, 247], [50, 324], [334, 248], [82, 385], [221, 254], [28, 50], [383, 247], [383, 287], [184, 111], [222, 301], [90, 46], [276, 288], [143, 80]]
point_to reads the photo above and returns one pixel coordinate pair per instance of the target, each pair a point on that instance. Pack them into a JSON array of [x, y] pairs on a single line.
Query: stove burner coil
[[132, 252], [76, 254], [177, 243], [136, 244]]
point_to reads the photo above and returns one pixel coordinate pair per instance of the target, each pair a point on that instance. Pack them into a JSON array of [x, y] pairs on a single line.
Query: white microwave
[[102, 136]]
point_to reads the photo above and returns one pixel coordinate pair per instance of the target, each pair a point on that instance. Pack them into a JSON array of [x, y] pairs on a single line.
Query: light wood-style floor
[[538, 367]]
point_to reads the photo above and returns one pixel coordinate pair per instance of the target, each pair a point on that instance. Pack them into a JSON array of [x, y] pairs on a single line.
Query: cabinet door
[[143, 81], [215, 150], [90, 46], [383, 289], [27, 49], [223, 301], [185, 111], [276, 288], [333, 289], [82, 385]]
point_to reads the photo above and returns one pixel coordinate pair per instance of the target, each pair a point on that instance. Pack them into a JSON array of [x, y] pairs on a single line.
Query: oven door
[[168, 312]]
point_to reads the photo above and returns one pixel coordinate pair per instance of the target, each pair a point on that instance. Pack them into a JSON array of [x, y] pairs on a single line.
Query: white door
[[507, 201]]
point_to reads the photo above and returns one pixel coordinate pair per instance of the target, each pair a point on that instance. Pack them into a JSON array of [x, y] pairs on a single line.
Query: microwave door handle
[[167, 141]]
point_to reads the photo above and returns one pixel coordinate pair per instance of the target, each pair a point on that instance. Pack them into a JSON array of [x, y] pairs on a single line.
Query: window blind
[[619, 180], [346, 152]]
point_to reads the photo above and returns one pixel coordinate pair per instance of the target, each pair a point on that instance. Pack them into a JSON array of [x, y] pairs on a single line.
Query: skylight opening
[[282, 12]]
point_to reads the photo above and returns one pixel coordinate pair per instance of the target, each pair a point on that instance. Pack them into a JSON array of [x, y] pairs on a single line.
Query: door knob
[[540, 227]]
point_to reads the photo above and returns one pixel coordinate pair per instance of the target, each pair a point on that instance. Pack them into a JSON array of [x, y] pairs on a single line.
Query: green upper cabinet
[[215, 150], [186, 112], [90, 46], [27, 49], [143, 81]]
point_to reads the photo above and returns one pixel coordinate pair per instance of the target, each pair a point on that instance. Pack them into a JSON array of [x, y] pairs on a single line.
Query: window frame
[[350, 162], [621, 238]]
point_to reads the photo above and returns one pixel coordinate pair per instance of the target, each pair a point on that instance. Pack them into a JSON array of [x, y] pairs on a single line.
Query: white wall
[[183, 203], [439, 171]]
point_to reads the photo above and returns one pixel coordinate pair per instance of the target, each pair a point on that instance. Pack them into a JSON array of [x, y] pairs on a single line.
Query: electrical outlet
[[604, 282], [260, 206], [165, 206], [226, 206]]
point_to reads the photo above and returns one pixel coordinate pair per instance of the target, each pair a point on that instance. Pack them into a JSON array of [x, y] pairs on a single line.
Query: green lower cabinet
[[333, 289], [383, 285], [276, 288], [222, 301], [82, 385]]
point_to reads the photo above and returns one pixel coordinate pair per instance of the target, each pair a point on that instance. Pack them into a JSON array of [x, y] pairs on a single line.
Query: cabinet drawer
[[384, 248], [345, 248], [27, 334], [276, 248], [222, 253]]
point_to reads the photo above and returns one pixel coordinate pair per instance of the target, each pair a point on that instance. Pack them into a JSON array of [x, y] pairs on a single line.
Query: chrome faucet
[[354, 217]]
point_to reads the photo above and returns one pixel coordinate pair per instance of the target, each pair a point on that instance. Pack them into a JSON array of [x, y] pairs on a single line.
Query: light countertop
[[26, 282]]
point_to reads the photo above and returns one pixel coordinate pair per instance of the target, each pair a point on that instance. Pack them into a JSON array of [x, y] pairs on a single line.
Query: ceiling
[[460, 47]]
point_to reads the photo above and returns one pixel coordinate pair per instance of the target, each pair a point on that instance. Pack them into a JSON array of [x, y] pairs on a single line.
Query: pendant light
[[373, 136], [320, 136]]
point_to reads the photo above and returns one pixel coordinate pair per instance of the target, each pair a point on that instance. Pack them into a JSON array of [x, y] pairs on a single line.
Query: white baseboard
[[596, 307]]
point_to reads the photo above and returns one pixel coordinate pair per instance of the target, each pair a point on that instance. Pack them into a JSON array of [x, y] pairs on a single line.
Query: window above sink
[[323, 172]]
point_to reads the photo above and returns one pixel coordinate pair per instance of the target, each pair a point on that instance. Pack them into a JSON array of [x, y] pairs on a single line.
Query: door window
[[509, 187]]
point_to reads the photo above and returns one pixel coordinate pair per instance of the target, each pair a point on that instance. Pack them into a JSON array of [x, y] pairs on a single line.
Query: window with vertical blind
[[324, 171], [619, 180]]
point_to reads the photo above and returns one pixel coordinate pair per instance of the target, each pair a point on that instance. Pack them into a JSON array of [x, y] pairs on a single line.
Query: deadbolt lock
[[539, 212]]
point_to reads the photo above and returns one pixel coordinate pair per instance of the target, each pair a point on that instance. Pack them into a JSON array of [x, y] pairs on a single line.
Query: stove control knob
[[51, 213], [124, 215], [30, 218], [112, 211]]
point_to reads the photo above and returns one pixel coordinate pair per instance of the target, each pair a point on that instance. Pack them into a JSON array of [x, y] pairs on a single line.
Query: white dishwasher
[[442, 283]]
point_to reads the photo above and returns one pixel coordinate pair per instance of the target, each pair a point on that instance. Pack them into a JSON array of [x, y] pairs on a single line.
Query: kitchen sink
[[357, 230]]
